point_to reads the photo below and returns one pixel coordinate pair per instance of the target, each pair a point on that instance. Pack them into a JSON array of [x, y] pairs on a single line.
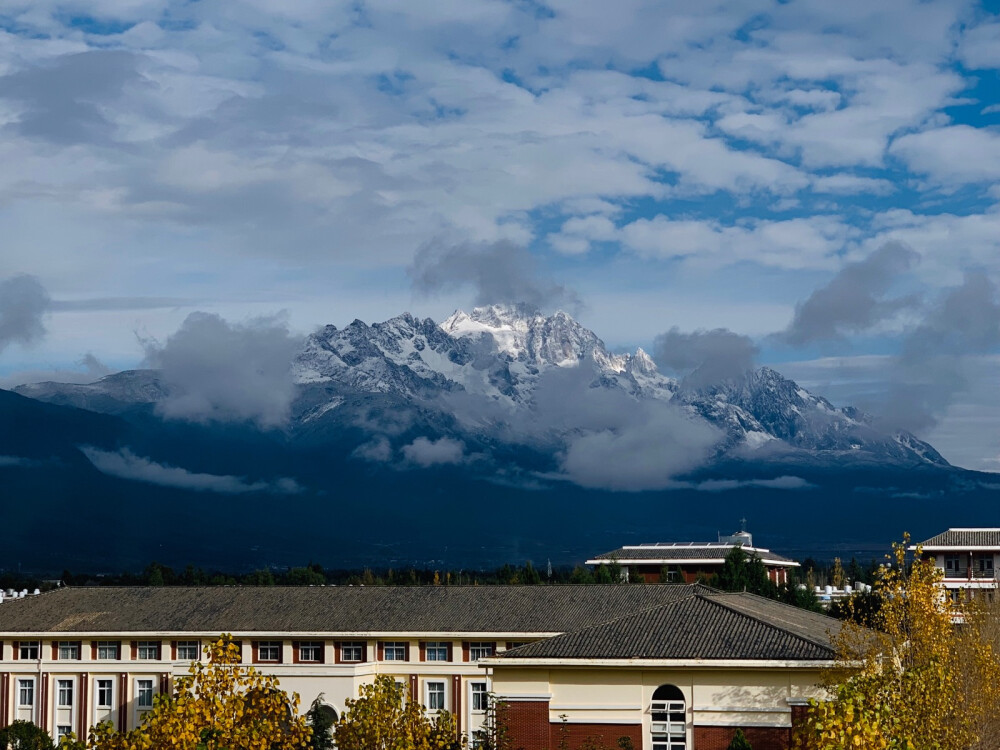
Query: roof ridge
[[717, 599]]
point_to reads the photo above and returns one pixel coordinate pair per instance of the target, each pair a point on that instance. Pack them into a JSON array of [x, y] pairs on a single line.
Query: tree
[[23, 735], [382, 719], [321, 720], [916, 680], [221, 705], [739, 742]]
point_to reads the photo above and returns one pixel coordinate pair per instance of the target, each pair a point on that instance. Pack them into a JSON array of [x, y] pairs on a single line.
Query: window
[[269, 651], [144, 693], [69, 650], [26, 693], [394, 651], [28, 650], [65, 693], [351, 652], [515, 644], [104, 693], [148, 650], [479, 651], [108, 649], [436, 651], [479, 697], [669, 719], [62, 730], [984, 563], [435, 696], [951, 563], [311, 651], [187, 650]]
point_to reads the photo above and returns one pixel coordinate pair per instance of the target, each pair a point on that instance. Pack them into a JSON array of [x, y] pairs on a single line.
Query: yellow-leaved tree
[[383, 719], [220, 705], [927, 675]]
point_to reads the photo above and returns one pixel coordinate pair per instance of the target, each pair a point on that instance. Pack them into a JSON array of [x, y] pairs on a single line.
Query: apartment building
[[74, 657], [969, 559]]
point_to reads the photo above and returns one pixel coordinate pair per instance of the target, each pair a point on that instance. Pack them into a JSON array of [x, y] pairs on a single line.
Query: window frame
[[141, 691], [102, 684], [25, 683], [29, 646], [64, 693], [437, 647], [62, 730], [65, 650], [435, 689], [105, 645], [352, 645], [474, 693], [184, 645], [155, 646], [303, 646], [270, 646], [395, 647], [481, 646]]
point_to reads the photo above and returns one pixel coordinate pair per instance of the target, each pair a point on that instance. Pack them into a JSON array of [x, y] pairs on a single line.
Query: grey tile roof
[[702, 625], [965, 538], [681, 552], [276, 609]]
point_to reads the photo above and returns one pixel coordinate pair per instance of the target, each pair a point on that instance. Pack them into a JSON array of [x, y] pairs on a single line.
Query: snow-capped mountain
[[510, 374]]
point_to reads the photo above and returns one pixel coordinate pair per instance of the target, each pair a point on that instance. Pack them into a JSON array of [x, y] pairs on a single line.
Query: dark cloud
[[854, 300], [931, 368], [500, 272], [705, 357], [215, 370], [66, 100], [23, 303], [126, 465]]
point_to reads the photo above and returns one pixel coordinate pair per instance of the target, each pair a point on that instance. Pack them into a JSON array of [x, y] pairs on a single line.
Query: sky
[[815, 182]]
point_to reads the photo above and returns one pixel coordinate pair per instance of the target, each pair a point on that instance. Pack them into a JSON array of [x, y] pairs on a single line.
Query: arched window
[[669, 718]]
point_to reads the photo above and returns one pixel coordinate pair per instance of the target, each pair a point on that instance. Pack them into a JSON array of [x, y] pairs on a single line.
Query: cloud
[[778, 483], [219, 371], [126, 465], [930, 369], [499, 272], [854, 300], [378, 450], [705, 357], [425, 452], [23, 304], [7, 462], [952, 155]]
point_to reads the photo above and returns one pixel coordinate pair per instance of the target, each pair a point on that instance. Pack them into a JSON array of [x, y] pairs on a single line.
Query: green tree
[[739, 742], [381, 719], [23, 735], [321, 720]]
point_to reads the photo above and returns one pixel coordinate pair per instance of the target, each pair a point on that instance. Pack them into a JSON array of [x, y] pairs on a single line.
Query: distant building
[[689, 562], [969, 558]]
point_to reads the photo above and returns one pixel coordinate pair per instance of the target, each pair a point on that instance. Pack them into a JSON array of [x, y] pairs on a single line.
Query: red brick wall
[[527, 724], [605, 734], [761, 738]]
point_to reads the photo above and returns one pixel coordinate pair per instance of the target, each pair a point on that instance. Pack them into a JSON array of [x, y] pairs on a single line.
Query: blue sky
[[692, 164]]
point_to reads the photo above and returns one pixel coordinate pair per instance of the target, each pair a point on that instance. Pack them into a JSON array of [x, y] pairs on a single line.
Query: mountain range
[[501, 405]]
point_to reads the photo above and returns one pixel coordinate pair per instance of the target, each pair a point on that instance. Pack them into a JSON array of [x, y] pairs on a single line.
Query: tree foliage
[[918, 679], [220, 705], [739, 742], [383, 719], [321, 721], [23, 735]]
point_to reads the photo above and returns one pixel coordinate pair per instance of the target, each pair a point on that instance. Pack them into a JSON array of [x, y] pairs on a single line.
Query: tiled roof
[[325, 609], [682, 552], [702, 625], [965, 538]]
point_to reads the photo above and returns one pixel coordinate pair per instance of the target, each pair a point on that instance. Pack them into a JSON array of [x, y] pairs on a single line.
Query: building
[[77, 656], [690, 562], [968, 558], [680, 676]]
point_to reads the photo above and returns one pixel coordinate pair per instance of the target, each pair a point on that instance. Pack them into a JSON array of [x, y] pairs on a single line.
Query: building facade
[[72, 658], [691, 562], [968, 558]]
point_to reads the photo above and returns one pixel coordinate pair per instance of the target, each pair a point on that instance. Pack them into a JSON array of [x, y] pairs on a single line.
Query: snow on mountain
[[502, 359]]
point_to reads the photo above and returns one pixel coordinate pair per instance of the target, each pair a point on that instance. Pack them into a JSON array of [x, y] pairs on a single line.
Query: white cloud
[[425, 452], [952, 155], [778, 483], [980, 46], [126, 465]]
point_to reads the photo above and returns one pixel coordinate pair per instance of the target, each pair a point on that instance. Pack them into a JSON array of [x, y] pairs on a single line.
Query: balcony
[[965, 573]]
